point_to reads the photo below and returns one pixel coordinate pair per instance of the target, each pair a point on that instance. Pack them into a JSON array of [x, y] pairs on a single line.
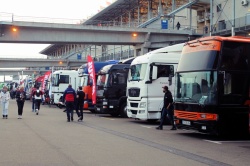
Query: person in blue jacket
[[69, 96]]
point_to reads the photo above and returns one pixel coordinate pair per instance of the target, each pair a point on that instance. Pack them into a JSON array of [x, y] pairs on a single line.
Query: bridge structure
[[115, 25], [10, 66]]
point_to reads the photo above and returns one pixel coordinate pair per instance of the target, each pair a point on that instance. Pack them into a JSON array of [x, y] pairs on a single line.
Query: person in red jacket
[[69, 96]]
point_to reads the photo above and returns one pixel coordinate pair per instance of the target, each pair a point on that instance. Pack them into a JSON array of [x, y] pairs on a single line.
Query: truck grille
[[186, 115], [134, 112], [134, 92], [134, 105]]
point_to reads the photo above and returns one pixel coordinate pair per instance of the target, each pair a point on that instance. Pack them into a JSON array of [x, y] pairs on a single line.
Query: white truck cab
[[60, 81], [147, 75]]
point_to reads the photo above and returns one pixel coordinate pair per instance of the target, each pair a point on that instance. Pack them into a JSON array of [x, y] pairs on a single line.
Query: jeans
[[5, 106], [37, 104], [69, 108], [169, 114], [33, 104], [79, 106], [20, 105], [163, 116]]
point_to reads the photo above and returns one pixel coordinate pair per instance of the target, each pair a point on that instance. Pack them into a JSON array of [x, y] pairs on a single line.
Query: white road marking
[[215, 142], [146, 126], [240, 141], [107, 118]]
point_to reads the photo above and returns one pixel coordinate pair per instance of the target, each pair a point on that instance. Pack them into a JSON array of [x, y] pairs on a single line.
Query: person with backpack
[[79, 103], [37, 95]]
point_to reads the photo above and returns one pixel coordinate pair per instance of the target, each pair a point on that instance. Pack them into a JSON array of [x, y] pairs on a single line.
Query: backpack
[[38, 94]]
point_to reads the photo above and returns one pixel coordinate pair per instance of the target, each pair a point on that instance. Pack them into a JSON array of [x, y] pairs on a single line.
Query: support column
[[129, 19], [173, 8], [233, 18], [149, 9], [138, 14], [211, 17]]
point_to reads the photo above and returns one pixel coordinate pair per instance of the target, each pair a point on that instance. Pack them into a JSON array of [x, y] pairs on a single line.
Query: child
[[5, 97]]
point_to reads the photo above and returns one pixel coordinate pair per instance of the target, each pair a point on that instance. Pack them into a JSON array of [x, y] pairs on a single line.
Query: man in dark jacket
[[79, 104], [167, 108], [20, 99], [69, 96]]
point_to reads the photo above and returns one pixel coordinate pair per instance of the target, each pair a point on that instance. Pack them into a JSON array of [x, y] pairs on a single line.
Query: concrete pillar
[[129, 19], [138, 19], [144, 50], [160, 8], [149, 9], [173, 8]]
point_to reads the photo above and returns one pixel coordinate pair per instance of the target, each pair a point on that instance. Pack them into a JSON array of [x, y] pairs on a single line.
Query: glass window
[[165, 70], [64, 79], [201, 60], [197, 87], [101, 79], [137, 72], [235, 56], [118, 77]]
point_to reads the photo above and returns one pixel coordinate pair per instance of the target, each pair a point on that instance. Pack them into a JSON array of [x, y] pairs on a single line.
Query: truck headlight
[[142, 104]]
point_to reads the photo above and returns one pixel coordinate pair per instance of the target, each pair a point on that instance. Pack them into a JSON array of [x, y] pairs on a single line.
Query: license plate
[[133, 116], [98, 109], [186, 122]]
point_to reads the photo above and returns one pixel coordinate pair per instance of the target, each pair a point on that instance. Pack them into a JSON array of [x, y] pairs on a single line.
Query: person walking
[[37, 95], [69, 96], [178, 25], [79, 103], [5, 97], [167, 109], [20, 98], [32, 98]]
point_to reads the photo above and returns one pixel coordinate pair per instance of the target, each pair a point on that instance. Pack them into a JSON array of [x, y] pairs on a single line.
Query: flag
[[46, 77], [91, 72]]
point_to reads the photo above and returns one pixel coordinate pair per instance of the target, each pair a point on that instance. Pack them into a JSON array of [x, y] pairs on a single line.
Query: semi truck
[[111, 89], [212, 88], [60, 81], [147, 75], [86, 82]]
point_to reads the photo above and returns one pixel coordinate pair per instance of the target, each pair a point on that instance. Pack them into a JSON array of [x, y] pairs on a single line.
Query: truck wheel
[[123, 110], [92, 111]]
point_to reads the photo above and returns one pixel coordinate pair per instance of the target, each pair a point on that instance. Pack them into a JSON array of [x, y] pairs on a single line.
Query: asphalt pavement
[[48, 139]]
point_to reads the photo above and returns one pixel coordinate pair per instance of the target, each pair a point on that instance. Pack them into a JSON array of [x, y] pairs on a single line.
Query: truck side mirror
[[170, 80], [154, 73]]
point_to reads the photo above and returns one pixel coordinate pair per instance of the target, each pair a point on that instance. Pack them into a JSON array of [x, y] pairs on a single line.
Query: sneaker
[[159, 128], [36, 110], [68, 120]]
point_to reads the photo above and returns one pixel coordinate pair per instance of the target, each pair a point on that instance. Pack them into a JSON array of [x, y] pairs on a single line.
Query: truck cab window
[[165, 70]]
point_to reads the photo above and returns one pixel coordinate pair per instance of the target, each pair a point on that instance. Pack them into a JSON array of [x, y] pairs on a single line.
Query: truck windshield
[[196, 87], [84, 80], [137, 72], [101, 79], [55, 80]]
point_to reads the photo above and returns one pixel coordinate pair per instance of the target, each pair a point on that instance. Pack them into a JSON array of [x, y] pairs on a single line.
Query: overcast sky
[[72, 9]]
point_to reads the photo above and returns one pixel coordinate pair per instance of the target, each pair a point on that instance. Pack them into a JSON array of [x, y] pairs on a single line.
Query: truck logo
[[134, 92]]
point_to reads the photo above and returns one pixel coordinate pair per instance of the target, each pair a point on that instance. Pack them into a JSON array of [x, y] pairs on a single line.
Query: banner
[[91, 71], [46, 77]]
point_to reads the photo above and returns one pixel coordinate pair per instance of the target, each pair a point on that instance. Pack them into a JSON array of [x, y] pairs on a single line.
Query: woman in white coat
[[5, 97]]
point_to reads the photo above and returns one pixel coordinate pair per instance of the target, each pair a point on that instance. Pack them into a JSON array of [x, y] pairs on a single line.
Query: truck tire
[[123, 110], [92, 110]]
